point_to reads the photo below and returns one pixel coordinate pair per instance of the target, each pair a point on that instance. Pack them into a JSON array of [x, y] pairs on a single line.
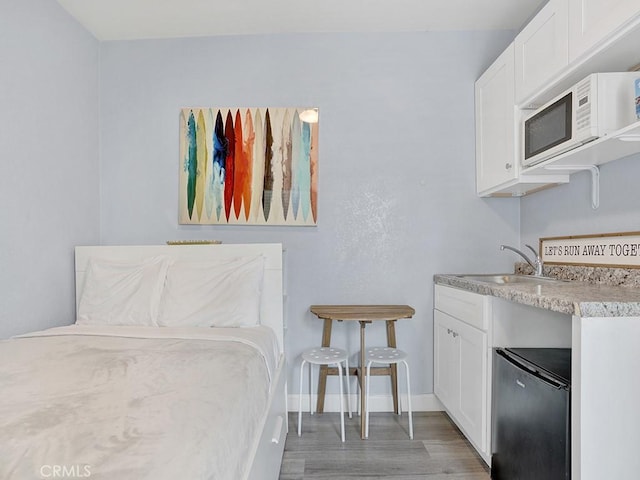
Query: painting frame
[[248, 166]]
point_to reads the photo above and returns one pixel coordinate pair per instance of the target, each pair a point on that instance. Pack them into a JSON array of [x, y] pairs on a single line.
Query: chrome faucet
[[537, 265]]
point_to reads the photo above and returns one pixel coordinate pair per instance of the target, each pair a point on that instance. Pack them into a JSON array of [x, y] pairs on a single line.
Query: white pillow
[[122, 293], [222, 293]]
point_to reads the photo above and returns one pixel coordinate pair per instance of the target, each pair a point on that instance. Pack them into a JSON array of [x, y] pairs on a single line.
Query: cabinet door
[[541, 49], [473, 383], [446, 362], [496, 160], [460, 375], [592, 21]]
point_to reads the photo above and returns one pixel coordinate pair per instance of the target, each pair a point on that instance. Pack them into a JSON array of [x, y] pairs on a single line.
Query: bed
[[173, 369]]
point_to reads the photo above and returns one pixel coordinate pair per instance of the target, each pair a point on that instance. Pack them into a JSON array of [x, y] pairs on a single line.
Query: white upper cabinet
[[541, 49], [566, 41], [495, 124], [593, 21], [497, 135]]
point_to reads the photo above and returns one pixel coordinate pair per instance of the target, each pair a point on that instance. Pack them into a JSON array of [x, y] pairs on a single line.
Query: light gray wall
[[49, 168], [396, 203], [396, 170], [566, 210]]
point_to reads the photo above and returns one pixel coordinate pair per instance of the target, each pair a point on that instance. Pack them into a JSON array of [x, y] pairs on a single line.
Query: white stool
[[325, 356], [386, 355]]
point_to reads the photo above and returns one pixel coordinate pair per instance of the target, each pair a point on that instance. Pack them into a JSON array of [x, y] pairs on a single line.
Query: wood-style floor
[[438, 450]]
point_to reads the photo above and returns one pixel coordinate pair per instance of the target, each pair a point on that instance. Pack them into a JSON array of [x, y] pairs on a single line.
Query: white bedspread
[[133, 402]]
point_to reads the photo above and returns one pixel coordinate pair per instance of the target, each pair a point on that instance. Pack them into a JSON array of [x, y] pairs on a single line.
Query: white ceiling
[[137, 19]]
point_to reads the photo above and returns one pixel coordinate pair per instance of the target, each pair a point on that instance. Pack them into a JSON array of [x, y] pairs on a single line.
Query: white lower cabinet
[[446, 378], [467, 326], [461, 356], [461, 375], [473, 383]]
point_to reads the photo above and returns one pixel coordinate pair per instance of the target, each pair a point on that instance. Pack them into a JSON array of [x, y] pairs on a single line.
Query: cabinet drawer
[[469, 307]]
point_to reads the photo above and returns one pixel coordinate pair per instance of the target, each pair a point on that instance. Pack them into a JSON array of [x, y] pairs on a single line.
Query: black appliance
[[531, 414]]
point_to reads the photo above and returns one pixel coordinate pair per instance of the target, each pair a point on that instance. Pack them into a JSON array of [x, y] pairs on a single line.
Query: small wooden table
[[364, 314]]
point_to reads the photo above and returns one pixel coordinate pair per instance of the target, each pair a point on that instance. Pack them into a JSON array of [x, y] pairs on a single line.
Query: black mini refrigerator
[[531, 414]]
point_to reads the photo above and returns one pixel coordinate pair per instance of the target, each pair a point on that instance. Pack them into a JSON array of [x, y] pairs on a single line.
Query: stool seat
[[386, 355], [325, 356]]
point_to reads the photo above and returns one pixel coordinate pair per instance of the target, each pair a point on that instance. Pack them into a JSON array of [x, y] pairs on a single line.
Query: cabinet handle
[[455, 334], [507, 166]]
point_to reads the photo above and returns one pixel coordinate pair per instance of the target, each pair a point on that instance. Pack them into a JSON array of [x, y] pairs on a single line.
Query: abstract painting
[[248, 166]]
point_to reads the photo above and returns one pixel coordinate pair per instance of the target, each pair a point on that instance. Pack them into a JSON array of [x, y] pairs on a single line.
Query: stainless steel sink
[[510, 278]]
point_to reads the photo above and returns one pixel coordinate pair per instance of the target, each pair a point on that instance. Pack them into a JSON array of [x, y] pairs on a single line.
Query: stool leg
[[367, 378], [310, 390], [406, 366], [346, 362], [399, 412], [339, 365], [300, 399], [360, 391]]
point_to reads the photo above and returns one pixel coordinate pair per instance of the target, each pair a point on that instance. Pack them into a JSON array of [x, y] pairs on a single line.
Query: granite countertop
[[583, 297]]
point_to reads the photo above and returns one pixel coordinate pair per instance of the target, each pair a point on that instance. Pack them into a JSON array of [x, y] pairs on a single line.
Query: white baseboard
[[427, 402]]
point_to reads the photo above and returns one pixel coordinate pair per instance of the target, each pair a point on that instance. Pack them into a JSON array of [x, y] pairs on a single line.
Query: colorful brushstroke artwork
[[248, 166]]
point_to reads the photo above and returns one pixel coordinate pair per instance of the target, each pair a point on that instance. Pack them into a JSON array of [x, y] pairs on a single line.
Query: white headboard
[[271, 309]]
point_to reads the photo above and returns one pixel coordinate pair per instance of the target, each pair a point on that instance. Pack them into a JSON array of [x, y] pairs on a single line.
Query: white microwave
[[599, 104]]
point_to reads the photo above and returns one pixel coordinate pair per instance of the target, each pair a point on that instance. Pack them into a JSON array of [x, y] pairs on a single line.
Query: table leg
[[363, 380], [322, 376], [391, 342]]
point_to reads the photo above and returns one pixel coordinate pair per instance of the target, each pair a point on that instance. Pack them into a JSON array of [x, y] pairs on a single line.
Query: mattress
[[133, 402]]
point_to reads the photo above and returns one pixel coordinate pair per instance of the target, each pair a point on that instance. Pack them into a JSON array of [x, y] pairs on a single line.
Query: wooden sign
[[607, 249]]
